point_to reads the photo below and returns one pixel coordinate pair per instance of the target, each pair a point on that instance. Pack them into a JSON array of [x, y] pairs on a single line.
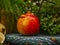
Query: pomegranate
[[28, 24]]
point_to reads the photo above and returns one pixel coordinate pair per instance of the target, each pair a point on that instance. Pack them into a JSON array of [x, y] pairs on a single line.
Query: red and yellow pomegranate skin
[[28, 24]]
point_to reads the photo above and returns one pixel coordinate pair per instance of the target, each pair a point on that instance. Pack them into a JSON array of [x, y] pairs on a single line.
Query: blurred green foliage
[[49, 14]]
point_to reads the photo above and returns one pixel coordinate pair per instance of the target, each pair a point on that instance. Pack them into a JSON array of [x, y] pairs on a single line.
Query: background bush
[[49, 14]]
